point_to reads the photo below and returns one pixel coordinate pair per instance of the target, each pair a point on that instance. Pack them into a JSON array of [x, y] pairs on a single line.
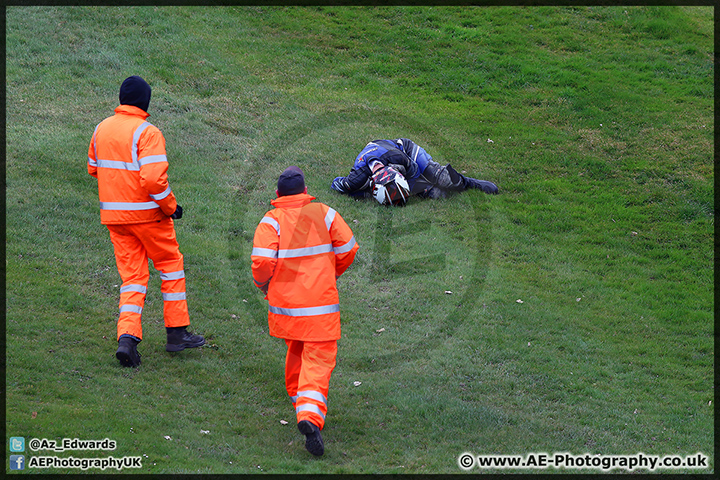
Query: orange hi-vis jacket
[[299, 250], [127, 156]]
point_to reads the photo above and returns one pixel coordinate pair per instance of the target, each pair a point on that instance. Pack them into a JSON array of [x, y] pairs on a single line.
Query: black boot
[[484, 185], [313, 440], [178, 339], [127, 351]]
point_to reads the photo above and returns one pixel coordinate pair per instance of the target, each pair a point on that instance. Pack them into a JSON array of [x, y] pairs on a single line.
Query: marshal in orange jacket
[[299, 250], [131, 167]]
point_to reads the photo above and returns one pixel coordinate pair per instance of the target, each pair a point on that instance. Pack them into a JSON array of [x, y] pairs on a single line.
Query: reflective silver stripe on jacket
[[160, 196], [118, 165], [94, 140], [309, 407], [136, 163], [271, 221], [329, 217], [136, 139], [172, 275], [133, 288], [133, 166], [345, 248], [264, 252], [152, 159], [128, 206], [305, 312], [305, 251], [297, 252]]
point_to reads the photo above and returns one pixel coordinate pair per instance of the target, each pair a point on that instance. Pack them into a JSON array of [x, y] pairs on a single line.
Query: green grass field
[[582, 304]]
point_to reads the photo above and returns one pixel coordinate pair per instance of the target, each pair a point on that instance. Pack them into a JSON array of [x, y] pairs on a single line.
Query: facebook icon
[[17, 462]]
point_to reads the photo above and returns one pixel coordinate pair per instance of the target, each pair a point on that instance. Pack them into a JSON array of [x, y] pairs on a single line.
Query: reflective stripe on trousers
[[134, 245], [308, 367]]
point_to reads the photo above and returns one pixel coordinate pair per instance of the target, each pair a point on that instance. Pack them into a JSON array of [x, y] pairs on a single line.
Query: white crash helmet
[[389, 187]]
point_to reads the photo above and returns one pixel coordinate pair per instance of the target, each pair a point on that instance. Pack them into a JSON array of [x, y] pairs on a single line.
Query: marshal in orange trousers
[[308, 366], [134, 244]]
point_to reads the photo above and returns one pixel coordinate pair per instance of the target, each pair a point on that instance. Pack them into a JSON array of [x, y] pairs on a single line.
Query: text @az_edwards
[[68, 444]]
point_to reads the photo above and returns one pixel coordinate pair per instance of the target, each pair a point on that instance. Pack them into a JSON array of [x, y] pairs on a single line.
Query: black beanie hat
[[135, 91], [291, 182]]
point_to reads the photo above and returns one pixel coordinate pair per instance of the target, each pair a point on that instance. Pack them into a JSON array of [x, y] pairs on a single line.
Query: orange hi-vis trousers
[[308, 367], [134, 244]]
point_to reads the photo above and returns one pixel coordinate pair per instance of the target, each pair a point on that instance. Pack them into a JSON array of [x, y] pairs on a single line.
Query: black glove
[[178, 213]]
